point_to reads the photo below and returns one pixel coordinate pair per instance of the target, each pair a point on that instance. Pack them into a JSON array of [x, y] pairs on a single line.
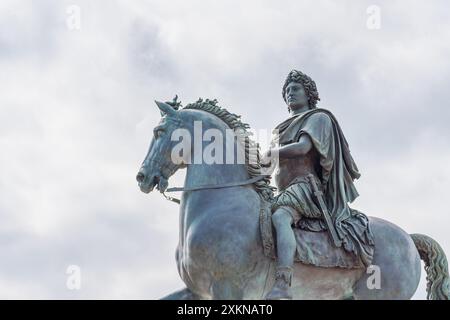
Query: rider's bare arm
[[296, 149], [292, 150]]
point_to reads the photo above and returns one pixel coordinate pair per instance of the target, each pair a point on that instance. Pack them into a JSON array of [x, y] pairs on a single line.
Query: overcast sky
[[77, 113]]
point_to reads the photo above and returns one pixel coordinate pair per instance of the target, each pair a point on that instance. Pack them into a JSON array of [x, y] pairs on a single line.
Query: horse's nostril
[[140, 177]]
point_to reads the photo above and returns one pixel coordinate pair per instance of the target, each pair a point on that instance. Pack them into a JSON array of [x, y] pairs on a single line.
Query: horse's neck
[[206, 200], [217, 173], [206, 174]]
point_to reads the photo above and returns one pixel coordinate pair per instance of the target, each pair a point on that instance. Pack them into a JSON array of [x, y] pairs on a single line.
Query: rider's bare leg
[[286, 245]]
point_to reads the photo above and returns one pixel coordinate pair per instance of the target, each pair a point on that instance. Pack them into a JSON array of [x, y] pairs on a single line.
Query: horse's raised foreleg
[[183, 294]]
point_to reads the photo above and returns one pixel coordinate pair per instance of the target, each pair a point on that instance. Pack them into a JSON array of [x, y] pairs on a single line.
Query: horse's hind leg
[[183, 294]]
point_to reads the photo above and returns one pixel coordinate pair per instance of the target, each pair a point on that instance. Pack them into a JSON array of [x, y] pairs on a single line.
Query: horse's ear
[[165, 108]]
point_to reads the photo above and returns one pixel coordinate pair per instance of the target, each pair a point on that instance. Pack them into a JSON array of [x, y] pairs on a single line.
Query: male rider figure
[[309, 142]]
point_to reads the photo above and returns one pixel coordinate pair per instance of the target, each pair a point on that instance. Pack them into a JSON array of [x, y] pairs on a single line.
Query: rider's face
[[296, 96]]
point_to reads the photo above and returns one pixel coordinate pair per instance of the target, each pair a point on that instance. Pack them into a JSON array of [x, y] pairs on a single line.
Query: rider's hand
[[266, 158]]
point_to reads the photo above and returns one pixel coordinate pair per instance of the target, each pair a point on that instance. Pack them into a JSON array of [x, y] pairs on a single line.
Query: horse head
[[161, 162]]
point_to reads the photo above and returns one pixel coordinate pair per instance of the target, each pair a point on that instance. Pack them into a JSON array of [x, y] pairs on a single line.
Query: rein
[[211, 186]]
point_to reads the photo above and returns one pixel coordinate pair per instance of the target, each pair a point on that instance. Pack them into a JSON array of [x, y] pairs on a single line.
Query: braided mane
[[252, 154]]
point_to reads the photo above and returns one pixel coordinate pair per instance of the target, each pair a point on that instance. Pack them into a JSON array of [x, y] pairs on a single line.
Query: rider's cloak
[[337, 172]]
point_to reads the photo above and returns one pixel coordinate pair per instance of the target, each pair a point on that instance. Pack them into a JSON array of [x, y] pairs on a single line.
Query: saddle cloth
[[313, 248]]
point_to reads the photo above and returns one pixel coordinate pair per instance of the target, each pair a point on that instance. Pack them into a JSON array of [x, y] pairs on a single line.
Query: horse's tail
[[436, 267]]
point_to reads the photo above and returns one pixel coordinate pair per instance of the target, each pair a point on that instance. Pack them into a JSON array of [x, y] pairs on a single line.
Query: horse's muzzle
[[140, 177], [148, 182]]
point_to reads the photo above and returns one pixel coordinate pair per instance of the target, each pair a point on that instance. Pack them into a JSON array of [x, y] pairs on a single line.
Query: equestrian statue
[[242, 238]]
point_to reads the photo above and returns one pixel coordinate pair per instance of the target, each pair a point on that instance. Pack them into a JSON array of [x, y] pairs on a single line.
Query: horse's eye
[[158, 133]]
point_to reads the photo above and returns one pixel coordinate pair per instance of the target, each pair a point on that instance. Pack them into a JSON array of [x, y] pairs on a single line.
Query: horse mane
[[252, 155]]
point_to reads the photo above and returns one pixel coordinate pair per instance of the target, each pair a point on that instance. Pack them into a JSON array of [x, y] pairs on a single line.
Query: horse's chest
[[201, 256], [213, 242]]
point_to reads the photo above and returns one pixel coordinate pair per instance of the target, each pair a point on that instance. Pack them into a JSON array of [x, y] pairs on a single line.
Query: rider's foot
[[281, 290]]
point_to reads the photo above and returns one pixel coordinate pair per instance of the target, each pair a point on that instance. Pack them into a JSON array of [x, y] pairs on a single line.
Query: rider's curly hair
[[308, 84]]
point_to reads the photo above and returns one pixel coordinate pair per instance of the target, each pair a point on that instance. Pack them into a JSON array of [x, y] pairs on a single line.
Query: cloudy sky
[[77, 84]]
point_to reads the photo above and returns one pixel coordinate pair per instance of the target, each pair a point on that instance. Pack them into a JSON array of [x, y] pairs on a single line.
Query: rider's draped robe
[[337, 172]]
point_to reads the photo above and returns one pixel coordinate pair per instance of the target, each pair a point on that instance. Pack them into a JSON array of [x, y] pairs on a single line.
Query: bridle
[[211, 186]]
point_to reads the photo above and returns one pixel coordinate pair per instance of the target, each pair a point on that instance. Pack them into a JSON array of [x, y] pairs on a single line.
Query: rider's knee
[[281, 218]]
